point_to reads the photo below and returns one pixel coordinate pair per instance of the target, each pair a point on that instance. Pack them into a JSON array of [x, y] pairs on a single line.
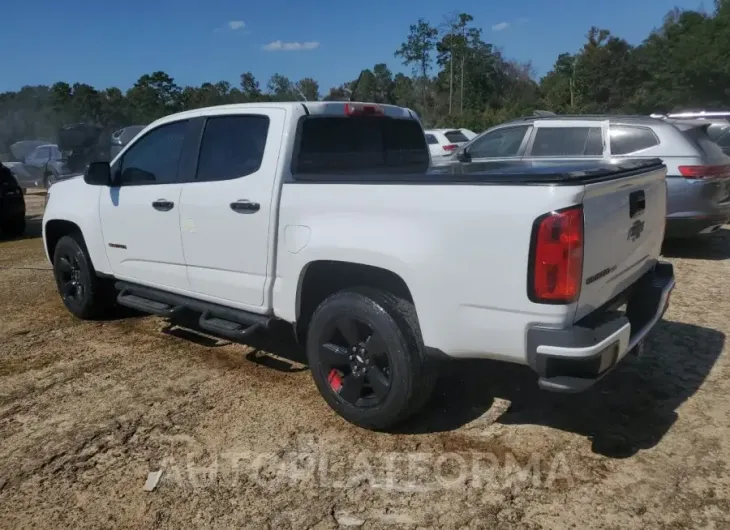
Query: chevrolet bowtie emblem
[[635, 231]]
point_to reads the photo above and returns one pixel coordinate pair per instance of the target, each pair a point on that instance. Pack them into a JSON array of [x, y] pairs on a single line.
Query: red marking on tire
[[335, 380]]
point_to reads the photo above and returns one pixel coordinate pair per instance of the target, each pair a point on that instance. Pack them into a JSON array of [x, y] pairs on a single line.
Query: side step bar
[[224, 321]]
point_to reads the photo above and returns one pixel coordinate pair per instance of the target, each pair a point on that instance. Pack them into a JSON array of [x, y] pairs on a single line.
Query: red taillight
[[556, 259], [363, 109], [451, 147], [704, 172]]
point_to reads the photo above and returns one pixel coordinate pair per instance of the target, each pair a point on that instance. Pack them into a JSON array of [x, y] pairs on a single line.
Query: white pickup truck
[[326, 215]]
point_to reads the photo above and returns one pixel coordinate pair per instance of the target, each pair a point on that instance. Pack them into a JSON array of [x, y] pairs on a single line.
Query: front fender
[[73, 201]]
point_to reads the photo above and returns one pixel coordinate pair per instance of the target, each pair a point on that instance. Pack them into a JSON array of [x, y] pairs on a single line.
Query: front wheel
[[367, 357], [83, 293]]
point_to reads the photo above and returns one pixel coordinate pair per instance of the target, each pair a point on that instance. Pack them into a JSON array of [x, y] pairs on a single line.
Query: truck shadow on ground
[[714, 247], [631, 409], [277, 349]]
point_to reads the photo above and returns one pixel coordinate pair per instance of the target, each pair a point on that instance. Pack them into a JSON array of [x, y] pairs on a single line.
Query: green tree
[[416, 52], [250, 87], [308, 88]]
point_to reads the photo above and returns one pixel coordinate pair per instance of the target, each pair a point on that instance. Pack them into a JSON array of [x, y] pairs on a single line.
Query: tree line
[[457, 79]]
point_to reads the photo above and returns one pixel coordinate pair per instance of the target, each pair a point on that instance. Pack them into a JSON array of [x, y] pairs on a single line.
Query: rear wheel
[[367, 357], [84, 294]]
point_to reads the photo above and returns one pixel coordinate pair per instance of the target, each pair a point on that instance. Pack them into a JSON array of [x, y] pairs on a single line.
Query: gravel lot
[[87, 410]]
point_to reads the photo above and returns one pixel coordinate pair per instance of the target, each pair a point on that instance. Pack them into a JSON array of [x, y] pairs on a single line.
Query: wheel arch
[[321, 278], [55, 229]]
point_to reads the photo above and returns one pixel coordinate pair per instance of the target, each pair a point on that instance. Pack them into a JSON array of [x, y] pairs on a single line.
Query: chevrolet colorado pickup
[[326, 215]]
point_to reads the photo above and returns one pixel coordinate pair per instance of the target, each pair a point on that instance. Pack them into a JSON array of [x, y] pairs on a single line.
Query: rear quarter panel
[[461, 249]]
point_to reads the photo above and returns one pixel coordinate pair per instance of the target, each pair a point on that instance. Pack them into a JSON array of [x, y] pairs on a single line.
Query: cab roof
[[323, 108]]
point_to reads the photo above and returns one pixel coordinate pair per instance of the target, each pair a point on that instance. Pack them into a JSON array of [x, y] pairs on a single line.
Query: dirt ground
[[244, 440]]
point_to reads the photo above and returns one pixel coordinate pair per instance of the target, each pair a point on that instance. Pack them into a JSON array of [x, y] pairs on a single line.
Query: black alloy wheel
[[69, 279], [367, 357], [356, 362]]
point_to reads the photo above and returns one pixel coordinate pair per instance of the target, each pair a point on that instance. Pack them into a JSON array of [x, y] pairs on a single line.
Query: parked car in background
[[18, 153], [719, 120], [442, 143], [44, 166], [698, 177], [12, 205]]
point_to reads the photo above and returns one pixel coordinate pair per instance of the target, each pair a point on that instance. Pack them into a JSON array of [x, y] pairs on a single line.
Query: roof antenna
[[299, 90], [354, 86]]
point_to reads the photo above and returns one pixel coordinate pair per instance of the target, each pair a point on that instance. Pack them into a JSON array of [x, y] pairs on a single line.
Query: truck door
[[140, 216], [227, 212]]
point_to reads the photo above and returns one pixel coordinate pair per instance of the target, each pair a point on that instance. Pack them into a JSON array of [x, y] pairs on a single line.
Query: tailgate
[[624, 222]]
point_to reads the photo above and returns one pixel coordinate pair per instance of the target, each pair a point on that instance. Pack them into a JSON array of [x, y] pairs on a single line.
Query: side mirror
[[463, 155], [98, 174]]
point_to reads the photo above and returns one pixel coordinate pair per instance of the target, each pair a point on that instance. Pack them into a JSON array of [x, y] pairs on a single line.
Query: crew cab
[[325, 215]]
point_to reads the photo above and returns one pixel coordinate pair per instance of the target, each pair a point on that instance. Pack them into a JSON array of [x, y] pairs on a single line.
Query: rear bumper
[[573, 359], [686, 227]]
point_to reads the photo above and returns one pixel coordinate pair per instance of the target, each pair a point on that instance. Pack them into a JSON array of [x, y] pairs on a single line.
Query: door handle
[[637, 203], [163, 205], [245, 206]]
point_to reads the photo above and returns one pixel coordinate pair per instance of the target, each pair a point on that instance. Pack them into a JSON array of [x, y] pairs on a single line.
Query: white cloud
[[236, 24], [281, 46], [501, 26]]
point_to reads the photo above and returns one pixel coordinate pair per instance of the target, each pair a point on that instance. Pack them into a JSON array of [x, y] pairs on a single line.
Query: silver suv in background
[[698, 172], [719, 124]]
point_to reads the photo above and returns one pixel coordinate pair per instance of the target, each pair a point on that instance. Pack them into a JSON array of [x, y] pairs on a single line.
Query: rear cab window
[[359, 144], [431, 139]]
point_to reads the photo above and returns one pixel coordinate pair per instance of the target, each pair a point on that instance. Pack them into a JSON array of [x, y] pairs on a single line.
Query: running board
[[226, 328], [231, 323], [146, 305]]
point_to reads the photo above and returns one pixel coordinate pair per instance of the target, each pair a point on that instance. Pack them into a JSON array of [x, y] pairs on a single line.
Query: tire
[[13, 227], [349, 385], [83, 293]]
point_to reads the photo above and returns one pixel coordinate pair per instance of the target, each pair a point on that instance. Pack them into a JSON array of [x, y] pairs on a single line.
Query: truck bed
[[511, 173]]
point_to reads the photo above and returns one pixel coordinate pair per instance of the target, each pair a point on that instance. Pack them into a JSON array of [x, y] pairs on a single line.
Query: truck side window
[[232, 147], [499, 144], [431, 139], [155, 157]]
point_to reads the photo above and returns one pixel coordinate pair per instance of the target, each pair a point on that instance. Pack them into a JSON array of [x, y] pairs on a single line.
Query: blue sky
[[111, 43]]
